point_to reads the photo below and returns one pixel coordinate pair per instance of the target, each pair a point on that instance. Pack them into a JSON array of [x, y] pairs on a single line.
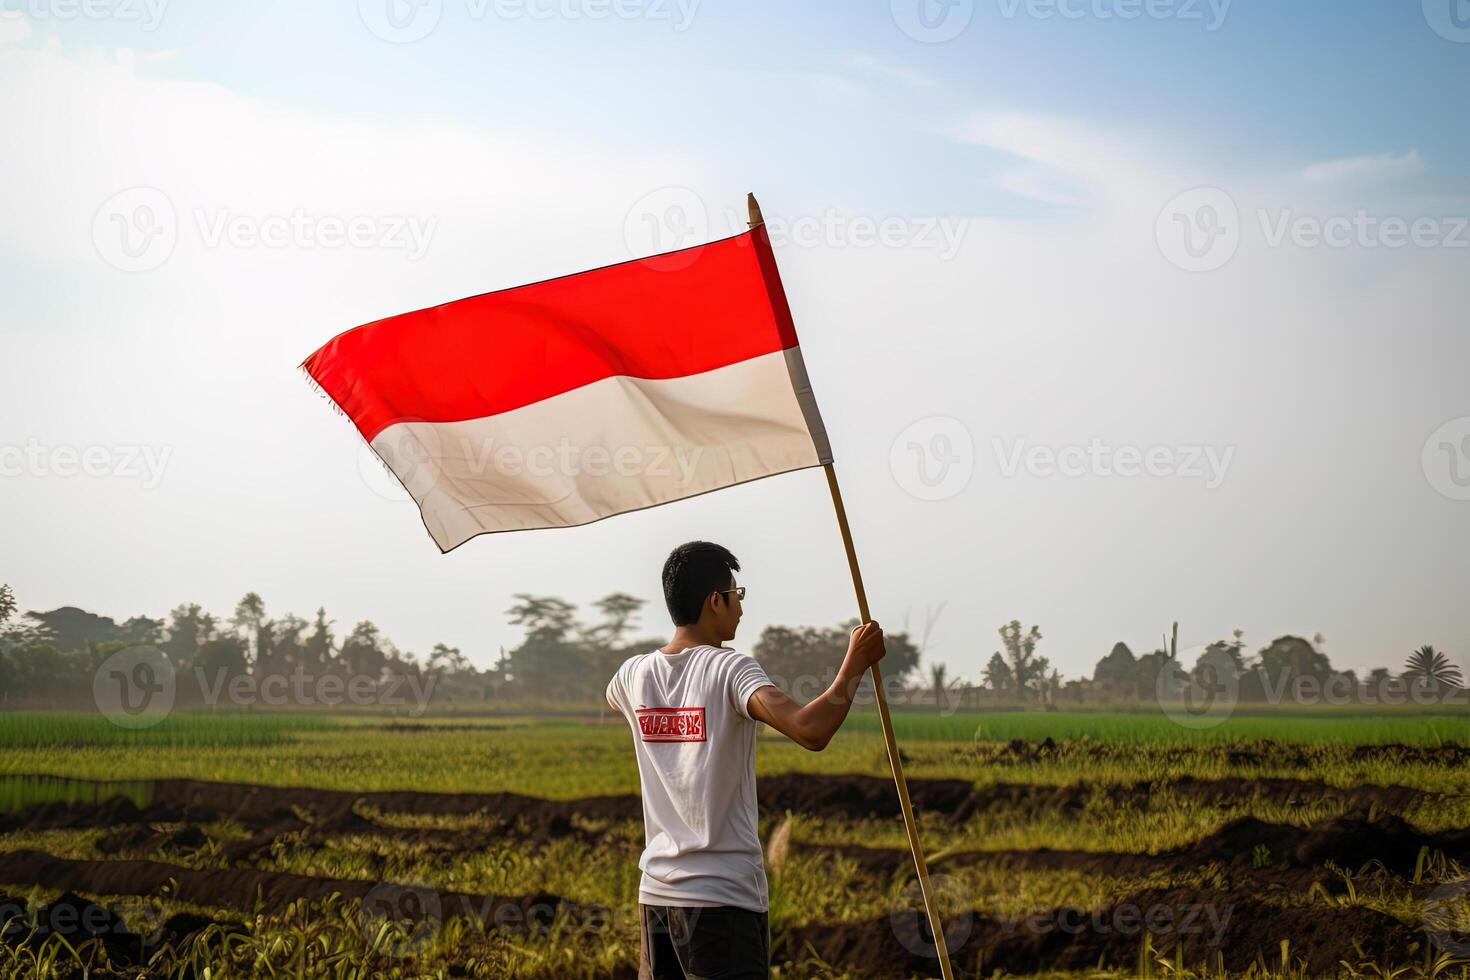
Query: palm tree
[[1433, 667], [938, 678]]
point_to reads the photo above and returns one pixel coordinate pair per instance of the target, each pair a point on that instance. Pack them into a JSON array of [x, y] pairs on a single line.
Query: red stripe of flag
[[686, 313]]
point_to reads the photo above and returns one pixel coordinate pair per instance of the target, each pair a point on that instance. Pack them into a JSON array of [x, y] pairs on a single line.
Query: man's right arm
[[614, 691], [812, 726]]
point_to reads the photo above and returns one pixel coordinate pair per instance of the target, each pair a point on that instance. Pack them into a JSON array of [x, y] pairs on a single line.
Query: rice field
[[74, 730], [1318, 726], [1062, 844]]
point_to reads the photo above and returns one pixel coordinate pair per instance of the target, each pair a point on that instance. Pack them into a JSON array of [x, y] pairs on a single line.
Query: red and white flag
[[571, 400]]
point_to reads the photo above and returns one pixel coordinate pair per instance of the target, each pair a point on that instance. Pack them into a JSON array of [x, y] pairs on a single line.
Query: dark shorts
[[703, 944]]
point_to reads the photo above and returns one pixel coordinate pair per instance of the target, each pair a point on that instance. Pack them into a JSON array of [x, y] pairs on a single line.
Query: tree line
[[50, 657], [1281, 670]]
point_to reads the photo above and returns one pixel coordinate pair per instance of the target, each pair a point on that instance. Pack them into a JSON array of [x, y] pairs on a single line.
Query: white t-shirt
[[695, 743]]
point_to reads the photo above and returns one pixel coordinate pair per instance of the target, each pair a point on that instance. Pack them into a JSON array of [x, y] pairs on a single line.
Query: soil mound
[[1208, 926]]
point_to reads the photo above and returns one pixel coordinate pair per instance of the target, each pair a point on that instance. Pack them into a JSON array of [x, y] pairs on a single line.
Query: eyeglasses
[[739, 593]]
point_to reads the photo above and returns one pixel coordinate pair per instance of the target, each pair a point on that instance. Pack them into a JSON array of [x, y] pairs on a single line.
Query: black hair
[[693, 571]]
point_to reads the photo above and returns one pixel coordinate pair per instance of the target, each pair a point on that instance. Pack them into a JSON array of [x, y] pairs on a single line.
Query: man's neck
[[691, 636]]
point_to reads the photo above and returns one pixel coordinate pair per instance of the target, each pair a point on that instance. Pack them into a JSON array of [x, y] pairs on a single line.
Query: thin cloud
[[1071, 163], [866, 64], [1381, 167], [1038, 185], [14, 27]]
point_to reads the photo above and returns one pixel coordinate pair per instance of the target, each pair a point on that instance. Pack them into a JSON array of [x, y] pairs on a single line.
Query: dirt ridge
[[834, 796], [1206, 923]]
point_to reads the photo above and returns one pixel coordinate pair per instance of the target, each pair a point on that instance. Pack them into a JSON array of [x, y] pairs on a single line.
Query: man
[[693, 707]]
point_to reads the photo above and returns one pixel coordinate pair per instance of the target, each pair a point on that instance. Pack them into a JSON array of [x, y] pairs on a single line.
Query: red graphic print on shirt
[[671, 724]]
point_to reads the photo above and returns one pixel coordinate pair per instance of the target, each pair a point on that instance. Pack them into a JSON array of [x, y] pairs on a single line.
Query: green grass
[[17, 792], [57, 729], [571, 757], [1302, 726], [567, 758]]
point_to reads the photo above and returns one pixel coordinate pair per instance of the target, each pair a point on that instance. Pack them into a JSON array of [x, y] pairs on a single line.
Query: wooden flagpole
[[894, 761]]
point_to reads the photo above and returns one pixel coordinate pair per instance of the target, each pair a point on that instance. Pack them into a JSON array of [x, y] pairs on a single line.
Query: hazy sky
[[1118, 311]]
